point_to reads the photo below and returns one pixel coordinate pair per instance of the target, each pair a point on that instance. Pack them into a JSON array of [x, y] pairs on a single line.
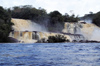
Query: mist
[[88, 21], [36, 27], [96, 34]]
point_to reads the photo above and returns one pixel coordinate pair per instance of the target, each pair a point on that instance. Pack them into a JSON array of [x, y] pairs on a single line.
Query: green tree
[[56, 39], [96, 19], [5, 24], [72, 18], [56, 21], [28, 12], [55, 17]]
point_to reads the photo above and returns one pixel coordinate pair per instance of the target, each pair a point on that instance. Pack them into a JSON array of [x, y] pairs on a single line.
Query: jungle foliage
[[57, 39], [96, 19], [5, 24]]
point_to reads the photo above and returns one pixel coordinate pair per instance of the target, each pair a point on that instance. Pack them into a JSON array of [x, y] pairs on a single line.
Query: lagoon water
[[50, 54]]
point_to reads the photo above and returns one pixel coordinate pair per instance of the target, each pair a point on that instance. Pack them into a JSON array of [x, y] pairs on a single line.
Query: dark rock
[[12, 40]]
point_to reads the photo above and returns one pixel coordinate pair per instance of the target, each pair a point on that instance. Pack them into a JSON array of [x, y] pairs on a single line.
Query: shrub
[[56, 38]]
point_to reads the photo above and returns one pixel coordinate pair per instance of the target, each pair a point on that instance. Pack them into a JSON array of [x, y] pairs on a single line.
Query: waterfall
[[88, 30], [26, 25], [73, 28], [96, 34], [30, 32]]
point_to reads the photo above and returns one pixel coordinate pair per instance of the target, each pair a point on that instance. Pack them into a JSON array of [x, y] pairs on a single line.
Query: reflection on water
[[50, 54]]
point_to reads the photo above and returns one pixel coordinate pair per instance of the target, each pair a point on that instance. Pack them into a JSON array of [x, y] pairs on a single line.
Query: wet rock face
[[92, 41]]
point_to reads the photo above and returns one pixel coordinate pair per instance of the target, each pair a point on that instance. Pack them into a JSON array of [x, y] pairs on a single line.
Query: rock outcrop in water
[[12, 40]]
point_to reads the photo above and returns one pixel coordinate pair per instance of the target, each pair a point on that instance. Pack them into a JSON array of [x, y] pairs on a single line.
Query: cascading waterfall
[[26, 25], [73, 28], [88, 30], [96, 34], [27, 31]]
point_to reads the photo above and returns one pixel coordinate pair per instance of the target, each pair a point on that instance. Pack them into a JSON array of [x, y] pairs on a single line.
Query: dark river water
[[50, 54]]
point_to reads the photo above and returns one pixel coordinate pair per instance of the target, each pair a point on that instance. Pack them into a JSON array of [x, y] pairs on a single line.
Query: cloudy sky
[[78, 7]]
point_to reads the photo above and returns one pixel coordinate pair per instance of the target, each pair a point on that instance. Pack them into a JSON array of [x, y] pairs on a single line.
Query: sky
[[77, 7]]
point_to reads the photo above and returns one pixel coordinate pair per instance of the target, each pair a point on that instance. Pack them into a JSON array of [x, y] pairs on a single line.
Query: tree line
[[51, 20], [32, 13]]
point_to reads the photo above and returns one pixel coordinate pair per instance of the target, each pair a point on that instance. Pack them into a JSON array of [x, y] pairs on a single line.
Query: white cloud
[[79, 7]]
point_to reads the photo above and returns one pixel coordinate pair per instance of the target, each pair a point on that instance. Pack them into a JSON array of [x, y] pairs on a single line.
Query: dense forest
[[5, 24], [32, 13]]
